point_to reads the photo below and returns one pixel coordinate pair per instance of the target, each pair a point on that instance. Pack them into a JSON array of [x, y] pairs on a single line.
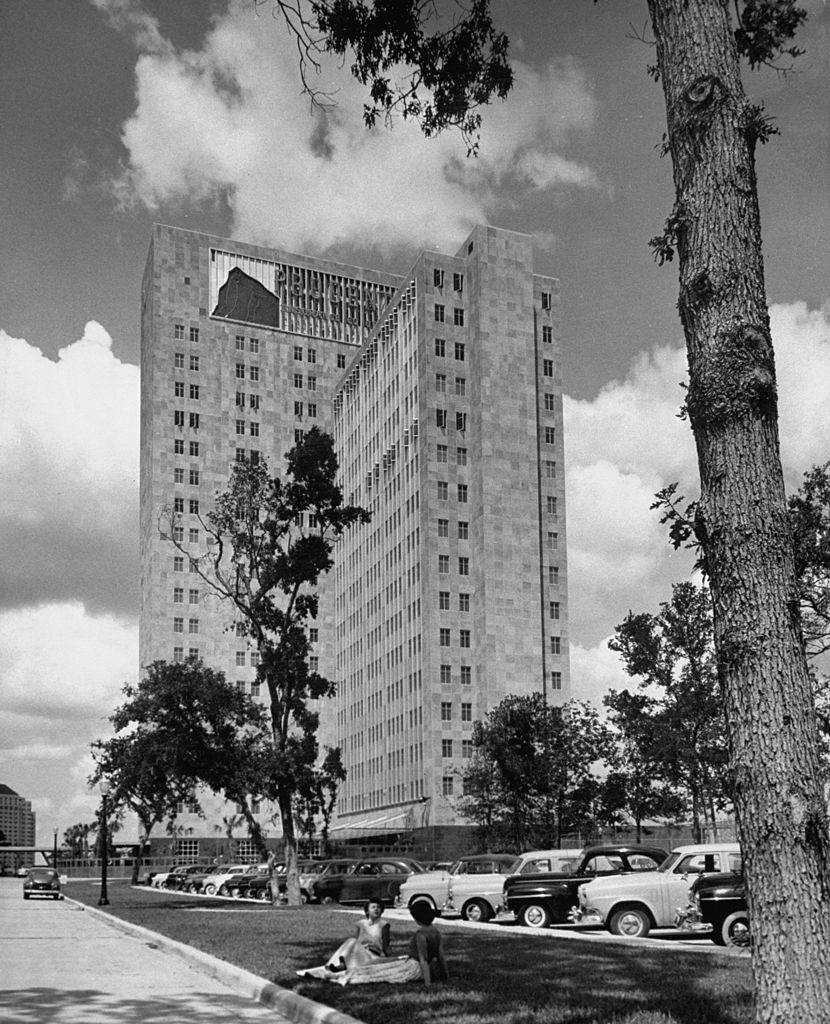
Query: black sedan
[[42, 882], [378, 878], [719, 902]]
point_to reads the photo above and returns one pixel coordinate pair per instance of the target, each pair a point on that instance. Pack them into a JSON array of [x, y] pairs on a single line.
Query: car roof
[[709, 848], [598, 851], [476, 858], [551, 853]]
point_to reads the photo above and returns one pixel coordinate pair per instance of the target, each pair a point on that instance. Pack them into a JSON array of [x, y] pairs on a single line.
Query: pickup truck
[[538, 900]]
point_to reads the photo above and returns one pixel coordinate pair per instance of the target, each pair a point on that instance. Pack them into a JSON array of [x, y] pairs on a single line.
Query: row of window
[[311, 382], [463, 529], [178, 596], [253, 344], [192, 505], [178, 419], [178, 560], [444, 565], [466, 676], [444, 601], [178, 625], [441, 384], [253, 401], [441, 420], [178, 654], [459, 349], [440, 313], [311, 410], [442, 455], [447, 748], [253, 428], [443, 491], [179, 390], [447, 711], [178, 476], [253, 372], [179, 333], [178, 362], [178, 447], [438, 280], [464, 637]]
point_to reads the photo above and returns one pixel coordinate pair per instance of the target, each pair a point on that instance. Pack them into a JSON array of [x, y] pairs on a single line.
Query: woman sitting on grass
[[425, 960], [370, 942]]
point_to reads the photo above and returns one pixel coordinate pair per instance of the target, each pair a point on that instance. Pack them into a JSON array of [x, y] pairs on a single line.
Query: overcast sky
[[115, 114]]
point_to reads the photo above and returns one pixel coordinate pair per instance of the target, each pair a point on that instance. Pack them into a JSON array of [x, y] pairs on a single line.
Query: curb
[[290, 1004]]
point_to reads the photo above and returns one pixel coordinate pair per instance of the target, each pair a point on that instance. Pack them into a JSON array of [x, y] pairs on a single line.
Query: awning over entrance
[[383, 823]]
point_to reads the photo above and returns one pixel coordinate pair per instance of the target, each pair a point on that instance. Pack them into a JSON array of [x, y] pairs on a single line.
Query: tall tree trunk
[[743, 526], [292, 874]]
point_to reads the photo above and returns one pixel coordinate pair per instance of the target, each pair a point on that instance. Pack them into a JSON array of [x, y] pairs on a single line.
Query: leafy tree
[[714, 230], [76, 839], [183, 726], [679, 735], [530, 779], [270, 541], [810, 525]]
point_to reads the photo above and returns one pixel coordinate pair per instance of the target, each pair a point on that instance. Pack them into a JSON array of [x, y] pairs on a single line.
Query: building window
[[547, 334], [463, 566], [178, 361], [178, 332], [443, 490], [194, 448], [178, 563], [443, 638], [443, 564], [178, 389], [545, 300], [466, 749], [178, 624], [178, 595], [462, 492], [254, 429], [194, 392], [447, 785], [458, 317], [240, 371], [461, 386], [193, 536], [312, 411], [437, 277], [254, 659], [551, 505], [312, 383], [553, 575], [298, 409], [194, 477], [550, 469], [446, 675], [253, 373], [194, 506], [464, 638], [311, 355], [178, 534], [298, 436], [443, 527], [554, 609], [440, 347], [459, 351], [178, 475], [240, 343], [463, 530], [298, 352], [466, 712], [341, 361], [240, 658], [178, 418], [313, 635], [446, 710], [254, 457], [444, 600], [193, 419], [255, 693], [240, 399], [194, 363], [466, 675], [253, 402], [194, 334], [178, 654], [461, 456], [549, 406], [547, 367], [193, 625], [556, 680], [441, 382], [193, 597], [178, 504], [461, 421], [556, 645], [298, 380], [446, 748], [240, 454], [253, 345], [463, 602], [441, 418], [441, 453], [553, 541], [550, 435], [439, 313], [314, 663], [178, 446], [458, 282]]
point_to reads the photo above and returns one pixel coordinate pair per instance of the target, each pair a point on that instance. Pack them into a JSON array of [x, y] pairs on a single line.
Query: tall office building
[[443, 391], [17, 827]]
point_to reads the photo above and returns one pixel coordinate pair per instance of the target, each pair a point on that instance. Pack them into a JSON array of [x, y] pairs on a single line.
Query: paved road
[[60, 965]]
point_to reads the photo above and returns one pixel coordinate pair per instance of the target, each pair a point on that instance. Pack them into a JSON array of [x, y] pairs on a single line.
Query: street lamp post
[[105, 788], [55, 851]]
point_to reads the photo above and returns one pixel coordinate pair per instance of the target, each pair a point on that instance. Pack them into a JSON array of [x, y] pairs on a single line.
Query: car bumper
[[688, 919], [585, 915]]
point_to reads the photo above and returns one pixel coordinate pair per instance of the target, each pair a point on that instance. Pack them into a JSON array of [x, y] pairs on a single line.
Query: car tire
[[733, 931], [25, 895], [210, 890], [235, 893], [264, 896], [423, 899], [630, 923], [534, 915], [327, 899], [476, 910]]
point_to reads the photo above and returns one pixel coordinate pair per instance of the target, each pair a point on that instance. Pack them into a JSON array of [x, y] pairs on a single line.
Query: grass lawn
[[495, 979]]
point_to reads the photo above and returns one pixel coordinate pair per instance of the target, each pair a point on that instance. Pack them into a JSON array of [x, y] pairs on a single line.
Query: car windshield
[[671, 862], [42, 875]]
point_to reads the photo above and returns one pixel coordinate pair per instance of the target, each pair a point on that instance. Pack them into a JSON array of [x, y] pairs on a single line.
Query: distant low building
[[17, 827]]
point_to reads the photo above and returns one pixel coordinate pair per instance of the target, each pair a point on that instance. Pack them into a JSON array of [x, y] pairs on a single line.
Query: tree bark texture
[[732, 405]]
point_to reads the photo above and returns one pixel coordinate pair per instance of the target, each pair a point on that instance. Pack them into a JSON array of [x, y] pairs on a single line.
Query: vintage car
[[42, 882], [223, 873], [471, 886], [717, 904], [631, 905], [543, 898], [179, 878], [378, 878]]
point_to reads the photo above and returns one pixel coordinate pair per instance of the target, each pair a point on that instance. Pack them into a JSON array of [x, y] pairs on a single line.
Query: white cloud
[[69, 465], [595, 671], [230, 121]]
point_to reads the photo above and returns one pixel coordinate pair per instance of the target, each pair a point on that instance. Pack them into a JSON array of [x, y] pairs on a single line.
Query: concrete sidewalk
[[67, 965]]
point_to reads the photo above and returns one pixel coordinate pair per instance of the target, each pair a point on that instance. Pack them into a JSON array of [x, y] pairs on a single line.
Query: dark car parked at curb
[[42, 882], [718, 902], [546, 898], [179, 878], [378, 878]]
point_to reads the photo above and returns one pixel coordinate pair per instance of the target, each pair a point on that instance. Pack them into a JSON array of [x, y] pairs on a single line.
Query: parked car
[[42, 882], [472, 886], [717, 903], [632, 905], [238, 886], [156, 879], [541, 898], [223, 873], [377, 878], [179, 878]]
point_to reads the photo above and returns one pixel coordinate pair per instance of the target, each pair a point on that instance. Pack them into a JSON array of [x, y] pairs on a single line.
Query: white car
[[631, 905], [224, 873], [472, 887]]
